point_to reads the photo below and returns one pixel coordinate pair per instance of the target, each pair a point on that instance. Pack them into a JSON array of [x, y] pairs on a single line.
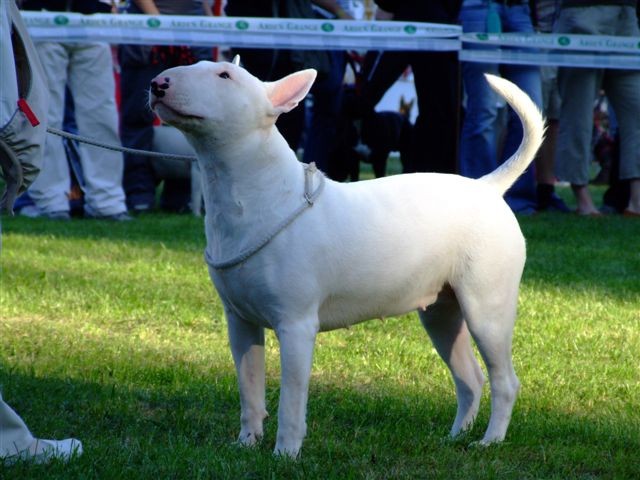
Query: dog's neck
[[248, 185]]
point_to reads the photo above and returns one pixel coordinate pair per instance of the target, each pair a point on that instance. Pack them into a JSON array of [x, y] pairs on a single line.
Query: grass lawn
[[112, 333]]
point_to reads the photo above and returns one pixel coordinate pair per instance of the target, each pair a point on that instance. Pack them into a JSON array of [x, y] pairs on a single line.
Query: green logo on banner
[[327, 27], [564, 41], [410, 29], [242, 25], [153, 22], [61, 20], [482, 36]]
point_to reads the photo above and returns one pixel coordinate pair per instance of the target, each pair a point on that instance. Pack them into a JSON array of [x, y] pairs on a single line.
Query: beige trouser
[[14, 434], [87, 69], [578, 88]]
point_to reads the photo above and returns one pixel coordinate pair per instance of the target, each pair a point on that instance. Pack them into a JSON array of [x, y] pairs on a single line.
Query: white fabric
[[9, 90], [14, 434], [88, 70]]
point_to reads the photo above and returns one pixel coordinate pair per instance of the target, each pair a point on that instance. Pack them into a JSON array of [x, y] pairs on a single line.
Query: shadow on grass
[[565, 251], [188, 432], [180, 232]]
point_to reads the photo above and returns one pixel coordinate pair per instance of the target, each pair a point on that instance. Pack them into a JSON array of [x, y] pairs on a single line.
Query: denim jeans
[[481, 133]]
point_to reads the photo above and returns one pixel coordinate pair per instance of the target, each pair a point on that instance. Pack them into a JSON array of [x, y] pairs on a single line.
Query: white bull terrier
[[295, 252]]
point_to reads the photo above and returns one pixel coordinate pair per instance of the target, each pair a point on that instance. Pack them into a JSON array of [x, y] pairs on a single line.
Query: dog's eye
[[224, 75]]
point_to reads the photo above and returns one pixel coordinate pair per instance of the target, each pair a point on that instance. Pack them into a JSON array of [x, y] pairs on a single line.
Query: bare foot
[[633, 209], [584, 200]]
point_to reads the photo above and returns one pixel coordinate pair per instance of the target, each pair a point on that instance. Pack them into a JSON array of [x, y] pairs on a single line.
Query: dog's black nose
[[159, 85]]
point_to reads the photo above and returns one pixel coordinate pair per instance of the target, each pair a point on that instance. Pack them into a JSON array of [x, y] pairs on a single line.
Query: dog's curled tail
[[533, 133]]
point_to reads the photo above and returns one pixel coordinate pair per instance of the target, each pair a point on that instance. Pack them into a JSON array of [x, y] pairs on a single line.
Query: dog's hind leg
[[247, 348], [450, 336], [490, 316], [297, 340]]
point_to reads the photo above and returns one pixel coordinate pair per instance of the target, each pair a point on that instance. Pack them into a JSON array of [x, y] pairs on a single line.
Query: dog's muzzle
[[159, 85]]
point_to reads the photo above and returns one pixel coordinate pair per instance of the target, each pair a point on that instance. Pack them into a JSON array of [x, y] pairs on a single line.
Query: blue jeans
[[479, 151]]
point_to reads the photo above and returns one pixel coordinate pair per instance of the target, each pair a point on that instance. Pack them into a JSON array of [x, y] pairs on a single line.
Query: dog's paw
[[249, 439], [485, 443], [289, 453]]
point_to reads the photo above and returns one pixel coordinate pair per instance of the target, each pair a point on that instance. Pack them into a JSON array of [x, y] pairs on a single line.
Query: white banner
[[555, 41], [242, 32], [594, 51]]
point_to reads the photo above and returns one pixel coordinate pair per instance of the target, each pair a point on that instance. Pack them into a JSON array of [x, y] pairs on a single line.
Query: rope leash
[[309, 199], [309, 196], [118, 148]]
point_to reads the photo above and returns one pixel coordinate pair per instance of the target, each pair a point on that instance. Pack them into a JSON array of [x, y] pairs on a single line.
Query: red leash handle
[[26, 109]]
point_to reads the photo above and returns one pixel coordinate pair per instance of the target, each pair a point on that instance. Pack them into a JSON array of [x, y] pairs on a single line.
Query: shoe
[[556, 204], [140, 208], [630, 213], [116, 217], [548, 200], [32, 211], [596, 214], [44, 451]]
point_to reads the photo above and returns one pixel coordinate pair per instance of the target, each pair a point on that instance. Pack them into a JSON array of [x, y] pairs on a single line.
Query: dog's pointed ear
[[286, 93]]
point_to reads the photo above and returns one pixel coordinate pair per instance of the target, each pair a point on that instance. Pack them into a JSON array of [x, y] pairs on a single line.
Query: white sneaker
[[44, 451]]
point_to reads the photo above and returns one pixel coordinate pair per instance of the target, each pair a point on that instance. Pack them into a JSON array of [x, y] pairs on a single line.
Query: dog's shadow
[[170, 427]]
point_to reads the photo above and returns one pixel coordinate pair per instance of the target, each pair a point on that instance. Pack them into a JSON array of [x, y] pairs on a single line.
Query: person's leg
[[136, 130], [17, 442], [578, 88], [93, 88], [327, 106], [623, 89], [434, 145], [573, 153], [380, 71], [522, 196], [14, 433], [478, 136], [50, 188], [545, 161]]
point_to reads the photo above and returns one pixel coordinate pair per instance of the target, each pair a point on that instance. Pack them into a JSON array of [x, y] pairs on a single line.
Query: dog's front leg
[[247, 347], [296, 354]]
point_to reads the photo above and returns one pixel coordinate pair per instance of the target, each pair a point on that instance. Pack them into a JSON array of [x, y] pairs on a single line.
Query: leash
[[118, 148], [309, 199], [309, 196]]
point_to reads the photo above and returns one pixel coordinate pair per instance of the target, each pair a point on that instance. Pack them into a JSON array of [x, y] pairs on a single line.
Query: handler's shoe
[[32, 211], [44, 451]]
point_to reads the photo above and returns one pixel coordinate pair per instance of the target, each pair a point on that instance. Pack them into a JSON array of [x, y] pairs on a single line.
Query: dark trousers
[[136, 131], [434, 143]]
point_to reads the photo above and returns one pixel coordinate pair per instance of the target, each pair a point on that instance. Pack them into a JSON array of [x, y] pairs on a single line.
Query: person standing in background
[[23, 125], [434, 142], [481, 148], [139, 64], [578, 89], [544, 13], [87, 69]]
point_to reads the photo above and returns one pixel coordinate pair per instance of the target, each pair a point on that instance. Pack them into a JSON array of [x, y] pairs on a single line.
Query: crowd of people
[[460, 127], [470, 137]]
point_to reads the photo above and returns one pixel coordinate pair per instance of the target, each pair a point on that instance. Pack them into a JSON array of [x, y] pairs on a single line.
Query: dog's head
[[222, 100]]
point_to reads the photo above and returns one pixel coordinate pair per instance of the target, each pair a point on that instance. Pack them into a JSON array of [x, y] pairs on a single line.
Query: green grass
[[113, 333]]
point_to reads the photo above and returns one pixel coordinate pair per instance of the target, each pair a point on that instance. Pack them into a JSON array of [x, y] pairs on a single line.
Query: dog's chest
[[248, 294]]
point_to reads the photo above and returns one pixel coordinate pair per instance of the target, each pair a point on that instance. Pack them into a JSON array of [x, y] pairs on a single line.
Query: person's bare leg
[[634, 198], [584, 200]]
